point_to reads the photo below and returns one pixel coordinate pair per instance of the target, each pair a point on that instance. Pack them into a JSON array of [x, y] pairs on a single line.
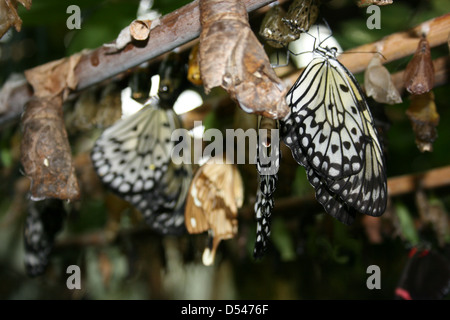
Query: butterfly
[[134, 158], [426, 276], [330, 131], [267, 184], [43, 222], [215, 195]]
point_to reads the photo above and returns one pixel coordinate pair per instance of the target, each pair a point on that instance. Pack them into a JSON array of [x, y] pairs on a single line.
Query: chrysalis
[[378, 83], [366, 3], [274, 30], [301, 15], [215, 195], [424, 119], [419, 73], [193, 73]]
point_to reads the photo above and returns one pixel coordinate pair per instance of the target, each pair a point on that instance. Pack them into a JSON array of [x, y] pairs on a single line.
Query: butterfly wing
[[330, 132], [133, 158]]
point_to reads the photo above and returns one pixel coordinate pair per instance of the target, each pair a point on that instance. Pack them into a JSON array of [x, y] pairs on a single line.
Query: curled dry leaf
[[424, 120], [232, 57], [45, 151], [419, 73], [140, 29], [9, 16], [378, 83], [215, 195]]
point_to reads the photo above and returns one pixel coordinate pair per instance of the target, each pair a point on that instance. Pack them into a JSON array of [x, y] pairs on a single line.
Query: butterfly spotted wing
[[331, 133], [267, 184], [215, 195], [133, 158]]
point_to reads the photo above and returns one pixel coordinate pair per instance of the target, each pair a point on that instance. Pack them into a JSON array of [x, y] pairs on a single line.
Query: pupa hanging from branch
[[232, 57]]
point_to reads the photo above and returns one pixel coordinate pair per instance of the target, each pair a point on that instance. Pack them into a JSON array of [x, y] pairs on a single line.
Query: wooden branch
[[431, 179]]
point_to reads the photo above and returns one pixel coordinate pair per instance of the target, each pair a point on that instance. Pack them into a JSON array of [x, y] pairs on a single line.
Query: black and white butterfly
[[267, 178], [330, 131], [133, 157]]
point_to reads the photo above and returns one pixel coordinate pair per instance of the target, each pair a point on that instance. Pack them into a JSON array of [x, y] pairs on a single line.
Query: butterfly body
[[331, 133]]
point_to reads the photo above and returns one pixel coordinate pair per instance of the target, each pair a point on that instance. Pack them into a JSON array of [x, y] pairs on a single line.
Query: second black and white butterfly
[[330, 131]]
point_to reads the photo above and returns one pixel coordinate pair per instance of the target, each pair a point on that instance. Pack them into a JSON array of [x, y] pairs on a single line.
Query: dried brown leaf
[[232, 57], [424, 119], [419, 73], [9, 16], [54, 78], [378, 83], [45, 151]]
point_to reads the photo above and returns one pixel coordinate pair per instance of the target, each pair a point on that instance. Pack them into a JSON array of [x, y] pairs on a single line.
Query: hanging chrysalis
[[134, 159], [378, 83], [193, 73], [215, 195], [267, 165], [301, 15], [274, 30], [424, 119], [43, 222], [419, 73]]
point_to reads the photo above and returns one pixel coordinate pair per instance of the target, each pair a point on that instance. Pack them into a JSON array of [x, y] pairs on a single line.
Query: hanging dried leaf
[[378, 83], [274, 30], [215, 194], [45, 151], [366, 3], [419, 73], [301, 15], [424, 119], [232, 57], [9, 16], [54, 78], [193, 73]]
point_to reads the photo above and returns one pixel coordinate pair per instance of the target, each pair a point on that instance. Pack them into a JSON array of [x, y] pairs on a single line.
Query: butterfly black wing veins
[[331, 133]]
